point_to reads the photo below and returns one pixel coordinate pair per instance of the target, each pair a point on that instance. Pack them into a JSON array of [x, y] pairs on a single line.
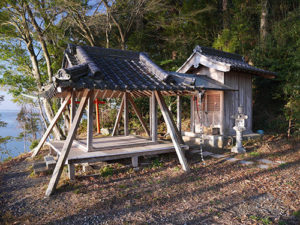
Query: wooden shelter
[[90, 73], [218, 106]]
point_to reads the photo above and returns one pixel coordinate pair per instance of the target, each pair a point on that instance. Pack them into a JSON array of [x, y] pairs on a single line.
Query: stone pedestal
[[238, 148], [239, 128]]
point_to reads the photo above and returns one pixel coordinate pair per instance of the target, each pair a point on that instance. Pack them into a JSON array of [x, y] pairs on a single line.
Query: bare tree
[[263, 21]]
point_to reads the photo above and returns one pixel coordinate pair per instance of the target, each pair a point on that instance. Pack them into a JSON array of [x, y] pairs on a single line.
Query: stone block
[[50, 162]]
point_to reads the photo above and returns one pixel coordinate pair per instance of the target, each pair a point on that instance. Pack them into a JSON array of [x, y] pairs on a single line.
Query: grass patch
[[283, 165], [254, 154], [177, 168], [106, 171], [32, 174], [156, 164], [122, 186], [297, 214], [264, 221]]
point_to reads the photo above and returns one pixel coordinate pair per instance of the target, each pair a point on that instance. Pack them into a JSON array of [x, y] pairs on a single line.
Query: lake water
[[14, 147]]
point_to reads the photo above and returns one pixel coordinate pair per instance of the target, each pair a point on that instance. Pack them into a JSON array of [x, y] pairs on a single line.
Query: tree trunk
[[57, 132], [225, 14], [289, 128], [263, 21], [121, 33], [42, 42]]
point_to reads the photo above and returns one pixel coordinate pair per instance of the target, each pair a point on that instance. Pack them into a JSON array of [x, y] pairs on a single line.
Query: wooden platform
[[110, 148], [109, 143]]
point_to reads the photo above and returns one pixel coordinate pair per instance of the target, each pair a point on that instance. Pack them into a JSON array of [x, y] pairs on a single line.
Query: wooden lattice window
[[213, 102]]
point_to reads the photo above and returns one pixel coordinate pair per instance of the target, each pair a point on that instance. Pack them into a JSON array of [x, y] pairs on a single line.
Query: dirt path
[[219, 192]]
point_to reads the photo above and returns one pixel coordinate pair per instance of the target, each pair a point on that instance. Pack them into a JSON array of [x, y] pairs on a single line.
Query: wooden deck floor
[[109, 143], [110, 148]]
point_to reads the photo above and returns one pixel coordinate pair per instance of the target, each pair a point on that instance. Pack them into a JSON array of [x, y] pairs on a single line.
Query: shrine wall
[[233, 99]]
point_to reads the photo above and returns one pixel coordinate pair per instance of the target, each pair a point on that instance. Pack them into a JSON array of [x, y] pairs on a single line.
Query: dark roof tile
[[100, 68], [236, 62]]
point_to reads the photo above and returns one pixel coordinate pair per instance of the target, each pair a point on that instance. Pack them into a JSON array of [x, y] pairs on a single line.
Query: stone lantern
[[239, 128]]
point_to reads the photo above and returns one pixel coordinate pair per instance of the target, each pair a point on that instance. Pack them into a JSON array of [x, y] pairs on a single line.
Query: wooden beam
[[102, 94], [112, 94], [153, 117], [89, 141], [67, 145], [179, 111], [120, 94], [126, 122], [50, 127], [96, 93], [107, 93], [170, 124], [118, 118], [137, 112]]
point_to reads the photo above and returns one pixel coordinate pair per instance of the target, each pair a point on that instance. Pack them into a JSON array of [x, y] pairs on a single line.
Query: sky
[[8, 104]]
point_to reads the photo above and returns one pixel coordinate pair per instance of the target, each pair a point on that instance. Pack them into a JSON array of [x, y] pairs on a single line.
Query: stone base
[[86, 167], [238, 150]]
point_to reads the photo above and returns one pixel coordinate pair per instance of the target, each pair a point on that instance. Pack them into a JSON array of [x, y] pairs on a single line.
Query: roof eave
[[197, 58]]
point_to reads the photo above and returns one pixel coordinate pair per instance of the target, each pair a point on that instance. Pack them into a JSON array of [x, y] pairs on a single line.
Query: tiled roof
[[234, 61], [111, 69]]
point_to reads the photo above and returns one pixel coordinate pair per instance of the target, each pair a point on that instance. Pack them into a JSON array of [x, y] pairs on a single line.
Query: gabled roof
[[119, 70], [222, 61]]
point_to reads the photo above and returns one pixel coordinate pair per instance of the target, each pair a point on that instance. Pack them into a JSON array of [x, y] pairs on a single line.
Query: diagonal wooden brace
[[50, 127], [137, 112], [67, 144], [172, 128], [118, 117]]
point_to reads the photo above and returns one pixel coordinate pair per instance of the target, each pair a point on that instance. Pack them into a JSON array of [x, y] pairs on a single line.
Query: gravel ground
[[219, 192]]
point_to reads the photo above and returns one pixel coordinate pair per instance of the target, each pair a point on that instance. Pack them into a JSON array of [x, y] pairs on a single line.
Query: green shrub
[[106, 171], [34, 143]]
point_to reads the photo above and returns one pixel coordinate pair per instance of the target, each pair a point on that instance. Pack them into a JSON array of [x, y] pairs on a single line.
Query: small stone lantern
[[239, 128]]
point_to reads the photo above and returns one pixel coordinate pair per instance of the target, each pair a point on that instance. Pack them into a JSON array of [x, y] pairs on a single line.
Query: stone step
[[214, 141], [39, 167], [50, 162]]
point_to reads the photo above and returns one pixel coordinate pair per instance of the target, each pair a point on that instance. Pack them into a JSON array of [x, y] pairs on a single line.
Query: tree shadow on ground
[[110, 207]]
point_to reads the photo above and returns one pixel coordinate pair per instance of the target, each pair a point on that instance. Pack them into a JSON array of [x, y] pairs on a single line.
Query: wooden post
[[89, 141], [118, 118], [179, 113], [51, 125], [192, 114], [170, 124], [98, 116], [222, 116], [137, 112], [135, 161], [72, 108], [67, 145], [153, 117], [71, 171], [150, 115], [126, 131]]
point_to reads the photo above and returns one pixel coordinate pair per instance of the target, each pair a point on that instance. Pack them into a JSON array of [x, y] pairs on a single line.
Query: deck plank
[[77, 155]]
